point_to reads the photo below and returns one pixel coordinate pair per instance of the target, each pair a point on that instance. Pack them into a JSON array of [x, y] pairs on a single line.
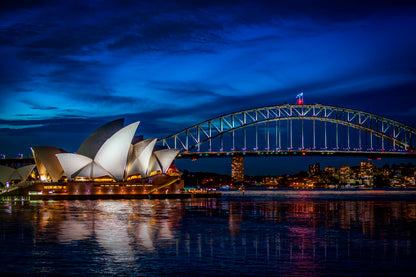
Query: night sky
[[68, 67]]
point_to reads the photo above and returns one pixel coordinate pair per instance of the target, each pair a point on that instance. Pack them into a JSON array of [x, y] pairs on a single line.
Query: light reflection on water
[[262, 233]]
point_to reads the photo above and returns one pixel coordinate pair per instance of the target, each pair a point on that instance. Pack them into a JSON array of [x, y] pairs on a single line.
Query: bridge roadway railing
[[380, 133], [300, 153], [16, 162]]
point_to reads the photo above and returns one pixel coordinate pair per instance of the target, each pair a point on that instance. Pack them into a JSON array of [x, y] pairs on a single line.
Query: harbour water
[[264, 233]]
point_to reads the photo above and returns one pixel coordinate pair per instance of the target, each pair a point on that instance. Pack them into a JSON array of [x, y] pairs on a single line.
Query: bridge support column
[[237, 168]]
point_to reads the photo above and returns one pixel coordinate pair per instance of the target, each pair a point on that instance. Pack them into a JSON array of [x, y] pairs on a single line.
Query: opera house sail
[[164, 158], [93, 142], [110, 160], [139, 158], [47, 164], [8, 174]]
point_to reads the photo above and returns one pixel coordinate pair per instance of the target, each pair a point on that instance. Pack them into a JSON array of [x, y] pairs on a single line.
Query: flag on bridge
[[299, 97]]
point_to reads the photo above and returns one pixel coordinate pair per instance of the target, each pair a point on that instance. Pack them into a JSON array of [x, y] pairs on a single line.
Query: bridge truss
[[308, 128]]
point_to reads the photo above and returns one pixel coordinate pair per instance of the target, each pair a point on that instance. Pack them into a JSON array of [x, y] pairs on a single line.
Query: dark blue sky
[[68, 67]]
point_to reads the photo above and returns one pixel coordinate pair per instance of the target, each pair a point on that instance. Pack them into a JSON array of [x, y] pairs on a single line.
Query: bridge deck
[[294, 153]]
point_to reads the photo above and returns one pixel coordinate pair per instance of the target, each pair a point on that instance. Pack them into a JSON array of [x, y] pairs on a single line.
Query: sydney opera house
[[110, 161]]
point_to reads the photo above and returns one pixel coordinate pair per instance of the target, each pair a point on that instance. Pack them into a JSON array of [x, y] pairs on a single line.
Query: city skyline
[[174, 64]]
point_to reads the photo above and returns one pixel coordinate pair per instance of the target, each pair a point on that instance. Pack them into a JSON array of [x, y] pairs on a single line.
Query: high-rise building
[[330, 171], [237, 168], [314, 169], [367, 173], [344, 173]]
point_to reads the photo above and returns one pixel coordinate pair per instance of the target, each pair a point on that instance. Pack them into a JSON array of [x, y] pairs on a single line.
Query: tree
[[381, 181]]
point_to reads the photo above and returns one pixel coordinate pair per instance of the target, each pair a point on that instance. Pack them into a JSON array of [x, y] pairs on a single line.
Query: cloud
[[50, 28], [35, 106], [172, 64]]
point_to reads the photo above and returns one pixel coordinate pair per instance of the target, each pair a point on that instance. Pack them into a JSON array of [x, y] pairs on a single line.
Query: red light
[[299, 97]]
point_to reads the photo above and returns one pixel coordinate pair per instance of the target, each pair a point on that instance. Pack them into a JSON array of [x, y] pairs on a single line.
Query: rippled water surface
[[263, 233]]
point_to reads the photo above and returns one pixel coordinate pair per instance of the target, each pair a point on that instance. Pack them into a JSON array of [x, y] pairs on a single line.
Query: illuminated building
[[314, 169], [107, 153], [344, 174], [237, 168], [366, 173], [409, 181], [330, 171]]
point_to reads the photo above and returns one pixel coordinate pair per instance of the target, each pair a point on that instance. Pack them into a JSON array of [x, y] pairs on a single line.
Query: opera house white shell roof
[[108, 151], [8, 174], [46, 162], [93, 143], [110, 159], [165, 158], [139, 157]]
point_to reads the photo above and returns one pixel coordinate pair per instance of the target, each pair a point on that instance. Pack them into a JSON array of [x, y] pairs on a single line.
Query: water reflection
[[288, 237]]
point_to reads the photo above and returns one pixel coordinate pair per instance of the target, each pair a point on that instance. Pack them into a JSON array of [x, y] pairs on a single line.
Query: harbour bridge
[[303, 130]]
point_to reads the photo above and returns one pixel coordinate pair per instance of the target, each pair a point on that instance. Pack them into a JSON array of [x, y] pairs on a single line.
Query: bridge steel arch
[[379, 132]]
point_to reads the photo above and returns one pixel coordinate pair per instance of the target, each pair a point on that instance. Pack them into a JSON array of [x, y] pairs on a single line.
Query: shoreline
[[318, 189], [113, 196]]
